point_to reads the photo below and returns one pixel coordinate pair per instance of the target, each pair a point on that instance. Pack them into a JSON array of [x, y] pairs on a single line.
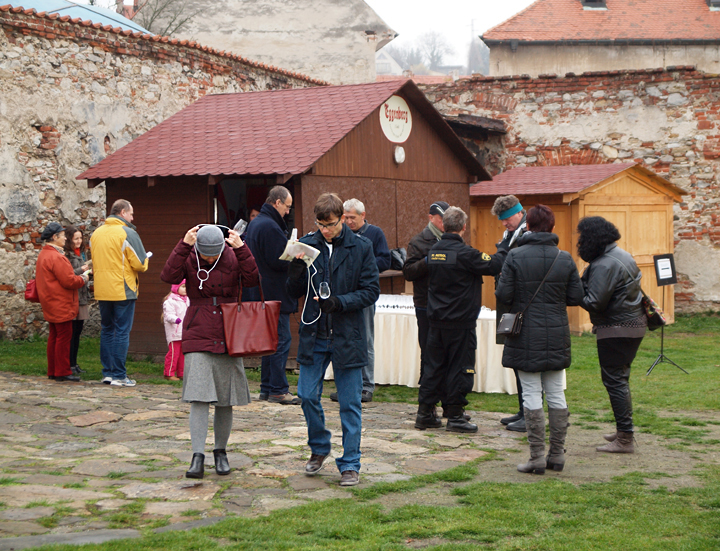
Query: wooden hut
[[383, 143], [635, 199]]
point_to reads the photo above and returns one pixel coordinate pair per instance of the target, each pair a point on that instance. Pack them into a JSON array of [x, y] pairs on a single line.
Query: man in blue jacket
[[333, 329], [266, 237], [355, 220]]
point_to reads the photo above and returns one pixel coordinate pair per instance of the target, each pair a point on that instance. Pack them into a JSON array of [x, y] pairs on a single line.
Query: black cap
[[53, 228], [439, 207]]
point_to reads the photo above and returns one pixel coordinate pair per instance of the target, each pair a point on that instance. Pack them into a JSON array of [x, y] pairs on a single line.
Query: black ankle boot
[[427, 417], [197, 466], [457, 422], [222, 467]]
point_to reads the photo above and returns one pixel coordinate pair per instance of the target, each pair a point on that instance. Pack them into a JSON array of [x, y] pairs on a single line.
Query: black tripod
[[662, 358]]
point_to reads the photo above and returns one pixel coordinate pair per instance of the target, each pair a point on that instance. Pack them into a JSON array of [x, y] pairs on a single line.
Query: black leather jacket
[[415, 268], [612, 288]]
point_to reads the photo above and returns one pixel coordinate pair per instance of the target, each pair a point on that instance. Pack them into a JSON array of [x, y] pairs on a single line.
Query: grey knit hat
[[53, 228], [210, 241]]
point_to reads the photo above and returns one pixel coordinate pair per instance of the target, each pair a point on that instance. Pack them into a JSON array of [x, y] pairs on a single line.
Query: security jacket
[[455, 281], [416, 266], [118, 257]]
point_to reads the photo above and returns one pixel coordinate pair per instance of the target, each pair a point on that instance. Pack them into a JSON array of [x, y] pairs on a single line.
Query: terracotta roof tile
[[624, 20], [270, 132], [541, 180]]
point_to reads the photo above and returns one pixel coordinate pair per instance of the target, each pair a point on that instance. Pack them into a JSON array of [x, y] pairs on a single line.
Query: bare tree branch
[[434, 47], [164, 17]]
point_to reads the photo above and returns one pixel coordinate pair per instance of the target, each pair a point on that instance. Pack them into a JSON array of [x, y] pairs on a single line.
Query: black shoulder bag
[[511, 324]]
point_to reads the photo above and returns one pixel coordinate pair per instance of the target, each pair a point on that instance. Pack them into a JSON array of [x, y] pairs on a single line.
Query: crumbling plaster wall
[[70, 94], [534, 60], [326, 39], [668, 120]]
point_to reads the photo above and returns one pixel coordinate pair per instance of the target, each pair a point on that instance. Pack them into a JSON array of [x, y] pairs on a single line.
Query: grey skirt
[[215, 378], [83, 312]]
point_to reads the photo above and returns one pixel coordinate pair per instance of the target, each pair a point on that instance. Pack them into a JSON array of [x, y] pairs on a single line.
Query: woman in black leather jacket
[[613, 298]]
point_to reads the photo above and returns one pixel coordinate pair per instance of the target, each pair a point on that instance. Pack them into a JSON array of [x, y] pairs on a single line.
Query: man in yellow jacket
[[118, 257]]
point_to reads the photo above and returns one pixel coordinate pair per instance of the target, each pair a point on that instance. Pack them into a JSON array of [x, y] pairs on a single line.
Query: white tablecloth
[[397, 353]]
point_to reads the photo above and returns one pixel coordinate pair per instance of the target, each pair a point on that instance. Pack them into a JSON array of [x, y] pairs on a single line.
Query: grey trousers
[[368, 372], [533, 385]]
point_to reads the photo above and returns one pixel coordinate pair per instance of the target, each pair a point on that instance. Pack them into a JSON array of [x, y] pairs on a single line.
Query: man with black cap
[[512, 215], [118, 257], [416, 270]]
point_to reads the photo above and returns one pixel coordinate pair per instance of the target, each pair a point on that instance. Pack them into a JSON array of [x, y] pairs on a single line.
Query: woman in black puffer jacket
[[541, 351], [613, 298]]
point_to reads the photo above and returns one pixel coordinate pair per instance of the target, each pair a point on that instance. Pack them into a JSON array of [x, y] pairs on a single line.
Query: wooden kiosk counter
[[635, 199]]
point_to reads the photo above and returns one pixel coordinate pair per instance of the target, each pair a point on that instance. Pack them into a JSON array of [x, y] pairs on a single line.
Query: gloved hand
[[178, 321], [297, 269], [504, 245], [331, 305]]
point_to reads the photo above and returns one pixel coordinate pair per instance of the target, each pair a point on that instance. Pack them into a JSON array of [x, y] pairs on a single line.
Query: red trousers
[[174, 360], [58, 349]]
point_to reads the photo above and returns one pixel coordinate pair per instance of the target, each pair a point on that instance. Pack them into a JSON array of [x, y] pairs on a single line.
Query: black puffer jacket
[[415, 268], [544, 342], [612, 288]]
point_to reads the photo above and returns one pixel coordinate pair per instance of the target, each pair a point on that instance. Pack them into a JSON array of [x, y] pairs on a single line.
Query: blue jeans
[[368, 372], [349, 388], [116, 319], [273, 380]]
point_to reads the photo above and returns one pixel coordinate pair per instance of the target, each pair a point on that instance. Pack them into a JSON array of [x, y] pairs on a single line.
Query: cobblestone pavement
[[79, 459]]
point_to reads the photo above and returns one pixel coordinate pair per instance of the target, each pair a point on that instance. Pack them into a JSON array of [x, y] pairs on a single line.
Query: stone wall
[[668, 120], [70, 94]]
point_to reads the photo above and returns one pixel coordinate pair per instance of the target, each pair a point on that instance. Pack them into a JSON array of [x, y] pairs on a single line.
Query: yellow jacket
[[118, 256]]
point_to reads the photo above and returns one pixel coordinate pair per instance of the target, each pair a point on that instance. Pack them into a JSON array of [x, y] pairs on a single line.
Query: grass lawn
[[628, 512]]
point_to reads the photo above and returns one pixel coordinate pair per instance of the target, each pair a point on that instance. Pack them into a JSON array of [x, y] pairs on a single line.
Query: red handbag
[[251, 328], [31, 294]]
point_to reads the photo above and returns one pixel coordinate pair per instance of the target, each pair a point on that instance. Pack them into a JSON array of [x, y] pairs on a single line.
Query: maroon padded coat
[[203, 325]]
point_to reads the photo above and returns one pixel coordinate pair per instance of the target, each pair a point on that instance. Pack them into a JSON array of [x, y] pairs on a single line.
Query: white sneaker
[[123, 382], [107, 380]]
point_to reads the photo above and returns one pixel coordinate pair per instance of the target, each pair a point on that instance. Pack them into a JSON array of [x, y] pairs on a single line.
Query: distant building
[[326, 39], [562, 36], [385, 64]]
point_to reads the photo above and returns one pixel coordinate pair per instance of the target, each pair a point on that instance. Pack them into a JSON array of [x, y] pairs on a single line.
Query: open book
[[294, 248]]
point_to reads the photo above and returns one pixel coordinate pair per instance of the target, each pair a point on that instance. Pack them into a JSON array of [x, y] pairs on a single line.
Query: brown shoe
[[314, 464], [622, 444], [172, 378], [285, 399], [349, 478]]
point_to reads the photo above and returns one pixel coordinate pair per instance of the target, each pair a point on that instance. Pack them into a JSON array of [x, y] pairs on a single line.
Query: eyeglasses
[[327, 226]]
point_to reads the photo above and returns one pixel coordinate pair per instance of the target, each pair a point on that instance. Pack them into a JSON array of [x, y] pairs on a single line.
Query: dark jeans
[[616, 356], [450, 367], [77, 327], [116, 319], [273, 380], [423, 328]]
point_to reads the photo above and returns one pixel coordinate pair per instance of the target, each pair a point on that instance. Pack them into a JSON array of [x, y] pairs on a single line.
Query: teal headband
[[509, 212]]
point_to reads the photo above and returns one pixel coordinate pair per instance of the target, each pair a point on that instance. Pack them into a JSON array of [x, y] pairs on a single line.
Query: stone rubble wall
[[666, 119], [70, 94]]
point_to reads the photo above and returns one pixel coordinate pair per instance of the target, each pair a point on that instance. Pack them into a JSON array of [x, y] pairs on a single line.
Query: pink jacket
[[173, 308]]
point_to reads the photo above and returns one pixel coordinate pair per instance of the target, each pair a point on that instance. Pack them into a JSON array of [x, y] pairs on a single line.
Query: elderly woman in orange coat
[[57, 287]]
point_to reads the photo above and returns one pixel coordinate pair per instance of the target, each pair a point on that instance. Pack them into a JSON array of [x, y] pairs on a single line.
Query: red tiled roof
[[270, 132], [624, 20], [541, 180]]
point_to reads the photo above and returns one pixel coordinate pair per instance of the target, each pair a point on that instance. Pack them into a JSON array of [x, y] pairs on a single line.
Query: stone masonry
[[72, 92], [666, 119]]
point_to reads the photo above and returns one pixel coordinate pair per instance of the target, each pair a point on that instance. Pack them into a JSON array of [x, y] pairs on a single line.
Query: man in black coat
[[454, 301], [513, 216], [266, 237], [415, 269]]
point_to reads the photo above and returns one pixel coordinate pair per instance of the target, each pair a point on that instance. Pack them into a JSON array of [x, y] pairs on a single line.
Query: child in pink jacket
[[174, 307]]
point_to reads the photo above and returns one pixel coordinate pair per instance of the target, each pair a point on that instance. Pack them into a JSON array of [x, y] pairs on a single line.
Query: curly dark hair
[[594, 234]]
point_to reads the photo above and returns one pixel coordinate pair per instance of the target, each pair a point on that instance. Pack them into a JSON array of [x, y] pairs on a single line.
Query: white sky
[[454, 19]]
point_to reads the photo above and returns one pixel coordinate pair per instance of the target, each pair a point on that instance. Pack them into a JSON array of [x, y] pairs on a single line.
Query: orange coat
[[57, 285]]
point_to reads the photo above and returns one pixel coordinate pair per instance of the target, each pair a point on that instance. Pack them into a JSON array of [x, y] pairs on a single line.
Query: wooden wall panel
[[366, 152], [163, 213]]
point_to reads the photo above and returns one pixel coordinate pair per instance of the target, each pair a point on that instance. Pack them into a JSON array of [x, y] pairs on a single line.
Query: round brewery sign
[[395, 119]]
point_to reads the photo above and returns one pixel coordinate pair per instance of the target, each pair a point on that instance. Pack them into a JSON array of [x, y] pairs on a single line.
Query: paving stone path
[[77, 458]]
